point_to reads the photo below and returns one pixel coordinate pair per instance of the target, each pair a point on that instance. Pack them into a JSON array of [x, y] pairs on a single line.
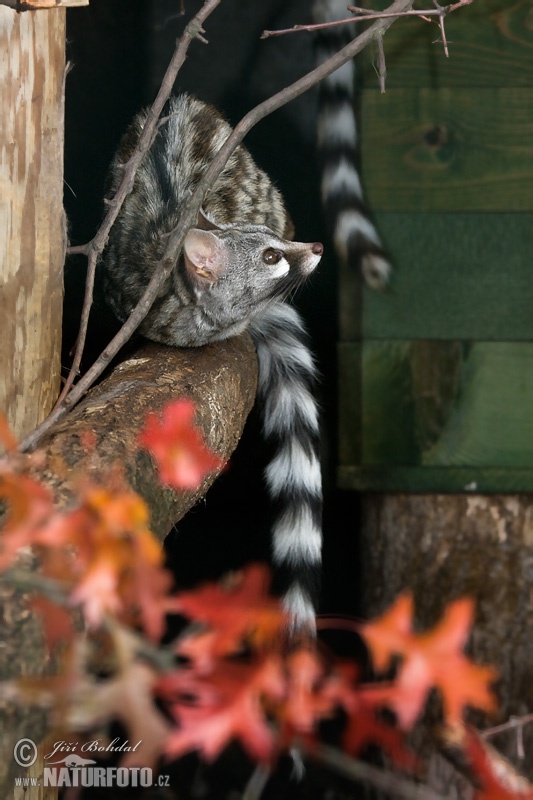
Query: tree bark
[[442, 547], [102, 432], [32, 227]]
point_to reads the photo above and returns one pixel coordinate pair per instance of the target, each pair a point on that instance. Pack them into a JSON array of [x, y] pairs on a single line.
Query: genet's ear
[[205, 256], [205, 224]]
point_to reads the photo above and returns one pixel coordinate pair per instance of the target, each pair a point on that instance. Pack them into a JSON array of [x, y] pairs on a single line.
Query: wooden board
[[420, 480], [490, 44], [456, 276], [32, 222], [448, 150], [429, 404]]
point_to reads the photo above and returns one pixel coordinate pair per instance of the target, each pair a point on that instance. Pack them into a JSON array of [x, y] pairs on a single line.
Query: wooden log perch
[[220, 378]]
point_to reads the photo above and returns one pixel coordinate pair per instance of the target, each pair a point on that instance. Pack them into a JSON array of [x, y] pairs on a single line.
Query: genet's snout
[[318, 248]]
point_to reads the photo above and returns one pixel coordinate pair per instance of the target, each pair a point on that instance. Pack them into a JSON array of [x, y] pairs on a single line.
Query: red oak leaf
[[178, 446], [243, 609], [57, 620], [118, 565], [309, 696], [315, 695], [364, 727], [227, 705], [434, 658], [30, 508]]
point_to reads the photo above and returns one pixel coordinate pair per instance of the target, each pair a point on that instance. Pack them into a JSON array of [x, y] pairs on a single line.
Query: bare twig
[[365, 15], [254, 788], [513, 723], [190, 212]]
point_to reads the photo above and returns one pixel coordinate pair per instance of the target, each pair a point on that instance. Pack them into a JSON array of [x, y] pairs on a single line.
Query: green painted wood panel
[[460, 276], [490, 43], [448, 149], [434, 479], [436, 374], [438, 405]]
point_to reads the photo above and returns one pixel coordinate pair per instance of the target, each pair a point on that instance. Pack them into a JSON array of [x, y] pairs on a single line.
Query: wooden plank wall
[[436, 375]]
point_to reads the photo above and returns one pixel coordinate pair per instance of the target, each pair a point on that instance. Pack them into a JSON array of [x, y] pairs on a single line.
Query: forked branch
[[366, 15]]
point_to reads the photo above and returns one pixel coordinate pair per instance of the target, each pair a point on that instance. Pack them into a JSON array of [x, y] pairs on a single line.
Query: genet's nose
[[318, 248]]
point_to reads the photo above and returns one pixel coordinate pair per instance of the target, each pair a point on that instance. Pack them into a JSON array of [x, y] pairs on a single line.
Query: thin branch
[[438, 11], [365, 15], [97, 244], [511, 724], [258, 780], [388, 782], [26, 580], [190, 212]]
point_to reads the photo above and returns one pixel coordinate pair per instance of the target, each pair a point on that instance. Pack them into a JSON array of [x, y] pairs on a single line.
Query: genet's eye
[[272, 256]]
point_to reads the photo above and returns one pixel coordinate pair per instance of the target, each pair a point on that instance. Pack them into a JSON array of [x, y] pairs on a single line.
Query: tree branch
[[365, 15]]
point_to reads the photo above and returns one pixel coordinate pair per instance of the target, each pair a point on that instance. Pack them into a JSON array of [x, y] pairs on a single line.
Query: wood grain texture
[[448, 149], [221, 380], [32, 227], [490, 44]]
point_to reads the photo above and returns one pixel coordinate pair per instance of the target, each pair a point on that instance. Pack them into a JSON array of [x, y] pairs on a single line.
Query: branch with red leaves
[[228, 675]]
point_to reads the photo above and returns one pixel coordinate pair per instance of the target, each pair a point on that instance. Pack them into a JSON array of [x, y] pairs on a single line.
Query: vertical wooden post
[[32, 239], [32, 226]]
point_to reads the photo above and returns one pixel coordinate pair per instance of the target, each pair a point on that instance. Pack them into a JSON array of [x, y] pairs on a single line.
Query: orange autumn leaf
[[308, 700], [30, 508], [431, 659], [315, 693], [57, 620], [387, 635], [242, 610], [364, 727], [228, 704], [118, 559], [117, 567], [178, 446]]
